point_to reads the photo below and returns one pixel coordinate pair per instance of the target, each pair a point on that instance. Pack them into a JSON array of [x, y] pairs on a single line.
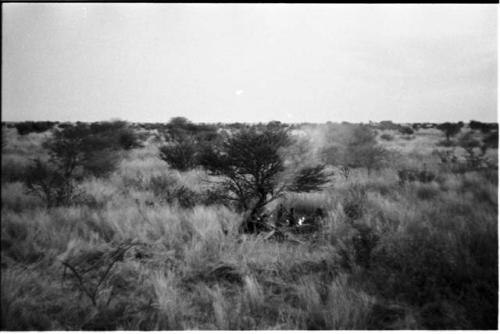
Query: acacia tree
[[185, 141], [363, 150], [250, 164], [450, 129], [354, 146], [74, 152]]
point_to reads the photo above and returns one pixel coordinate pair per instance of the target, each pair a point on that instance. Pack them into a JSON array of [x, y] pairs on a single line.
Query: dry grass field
[[409, 241]]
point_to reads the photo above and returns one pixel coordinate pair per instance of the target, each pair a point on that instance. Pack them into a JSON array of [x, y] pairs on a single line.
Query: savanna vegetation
[[184, 226]]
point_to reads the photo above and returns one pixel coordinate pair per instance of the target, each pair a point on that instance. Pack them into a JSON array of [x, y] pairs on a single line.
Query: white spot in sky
[[239, 92]]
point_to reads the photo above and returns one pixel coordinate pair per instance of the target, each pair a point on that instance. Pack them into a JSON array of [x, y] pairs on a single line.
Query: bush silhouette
[[450, 129], [92, 149], [387, 137], [50, 184], [406, 130], [180, 155], [24, 128], [75, 151], [186, 140]]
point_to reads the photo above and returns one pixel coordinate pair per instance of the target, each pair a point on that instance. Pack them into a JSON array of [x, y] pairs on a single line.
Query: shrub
[[74, 151], [476, 151], [24, 128], [450, 129], [483, 127], [91, 270], [354, 202], [387, 137], [310, 179], [128, 139], [412, 175], [187, 141], [169, 191], [363, 150], [355, 146], [388, 125], [181, 155], [92, 148], [427, 192], [406, 130], [491, 140], [250, 163], [50, 184], [364, 242]]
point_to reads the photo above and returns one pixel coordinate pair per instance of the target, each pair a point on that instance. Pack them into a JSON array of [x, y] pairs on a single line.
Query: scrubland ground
[[130, 256]]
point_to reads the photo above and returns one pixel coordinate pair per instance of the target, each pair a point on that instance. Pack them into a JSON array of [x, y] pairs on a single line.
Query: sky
[[249, 63]]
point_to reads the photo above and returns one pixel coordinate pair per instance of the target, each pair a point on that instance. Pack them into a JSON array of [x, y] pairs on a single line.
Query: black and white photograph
[[227, 166]]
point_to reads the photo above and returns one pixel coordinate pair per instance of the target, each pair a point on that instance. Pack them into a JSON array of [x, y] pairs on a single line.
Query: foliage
[[185, 142], [181, 155], [24, 128], [406, 130], [93, 149], [450, 129], [250, 162], [491, 140], [310, 179], [74, 152], [475, 149], [387, 137], [388, 125], [50, 184], [363, 150], [354, 146], [483, 127]]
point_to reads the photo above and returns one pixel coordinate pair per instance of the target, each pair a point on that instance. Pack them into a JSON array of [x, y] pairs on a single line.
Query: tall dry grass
[[387, 256]]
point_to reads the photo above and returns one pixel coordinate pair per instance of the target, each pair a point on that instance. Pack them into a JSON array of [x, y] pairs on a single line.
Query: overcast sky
[[249, 63]]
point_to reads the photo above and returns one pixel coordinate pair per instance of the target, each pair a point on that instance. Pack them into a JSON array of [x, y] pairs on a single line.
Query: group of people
[[280, 218]]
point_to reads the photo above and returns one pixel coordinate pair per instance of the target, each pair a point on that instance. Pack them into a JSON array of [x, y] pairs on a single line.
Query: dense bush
[[450, 129], [83, 148], [186, 141], [182, 155], [169, 191], [387, 137], [388, 125], [51, 184], [354, 146], [476, 151], [491, 140], [250, 162], [483, 127], [406, 130], [76, 151], [119, 134], [24, 128]]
